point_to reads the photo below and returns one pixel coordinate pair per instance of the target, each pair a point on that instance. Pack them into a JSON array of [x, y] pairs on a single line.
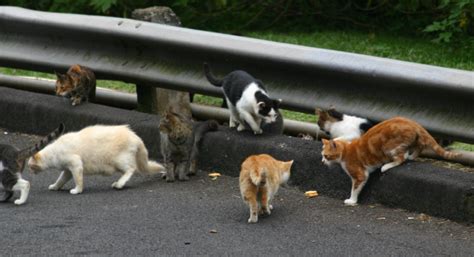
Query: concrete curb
[[416, 186]]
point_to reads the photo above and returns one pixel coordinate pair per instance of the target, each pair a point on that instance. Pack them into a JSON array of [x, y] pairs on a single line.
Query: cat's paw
[[384, 168], [270, 207], [19, 202], [169, 179], [350, 202], [253, 219], [116, 185], [75, 191], [53, 187], [240, 127], [267, 211], [258, 132], [183, 178]]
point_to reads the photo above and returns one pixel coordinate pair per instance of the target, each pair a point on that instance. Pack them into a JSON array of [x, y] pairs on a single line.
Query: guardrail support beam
[[157, 100]]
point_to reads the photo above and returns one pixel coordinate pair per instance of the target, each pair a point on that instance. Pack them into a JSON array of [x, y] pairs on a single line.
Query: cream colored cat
[[93, 150]]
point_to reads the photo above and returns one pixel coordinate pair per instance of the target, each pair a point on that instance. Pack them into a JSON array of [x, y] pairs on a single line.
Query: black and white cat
[[342, 126], [12, 162], [247, 99]]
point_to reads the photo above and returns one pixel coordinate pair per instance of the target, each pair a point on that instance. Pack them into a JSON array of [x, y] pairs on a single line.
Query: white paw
[[75, 191], [384, 168], [53, 187], [258, 132], [19, 202], [240, 127], [350, 202], [253, 219], [116, 185], [269, 211]]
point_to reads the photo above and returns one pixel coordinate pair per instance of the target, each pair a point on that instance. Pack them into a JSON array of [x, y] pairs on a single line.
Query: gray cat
[[179, 139], [12, 162]]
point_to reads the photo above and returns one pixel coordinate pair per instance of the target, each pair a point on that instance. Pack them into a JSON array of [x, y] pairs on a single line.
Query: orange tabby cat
[[260, 178], [386, 145]]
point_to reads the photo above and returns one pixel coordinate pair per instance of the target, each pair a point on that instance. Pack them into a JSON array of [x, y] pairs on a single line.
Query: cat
[[179, 142], [98, 149], [260, 178], [386, 145], [342, 126], [78, 83], [12, 162], [247, 99]]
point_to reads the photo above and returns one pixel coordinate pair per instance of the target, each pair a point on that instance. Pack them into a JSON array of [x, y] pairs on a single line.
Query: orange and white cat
[[386, 145], [260, 178]]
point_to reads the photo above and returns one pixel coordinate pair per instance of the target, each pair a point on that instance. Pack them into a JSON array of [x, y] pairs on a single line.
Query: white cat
[[96, 149]]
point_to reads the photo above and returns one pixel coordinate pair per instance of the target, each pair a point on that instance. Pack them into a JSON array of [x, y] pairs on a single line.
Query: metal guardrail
[[138, 52], [129, 101]]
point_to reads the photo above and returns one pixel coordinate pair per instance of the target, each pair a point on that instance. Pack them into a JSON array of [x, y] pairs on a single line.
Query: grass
[[459, 56], [418, 50]]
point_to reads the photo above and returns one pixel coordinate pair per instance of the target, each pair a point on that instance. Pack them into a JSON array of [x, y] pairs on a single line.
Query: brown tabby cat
[[78, 84], [179, 142], [260, 177], [386, 145]]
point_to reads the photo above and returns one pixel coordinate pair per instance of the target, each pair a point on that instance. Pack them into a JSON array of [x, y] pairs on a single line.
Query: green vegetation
[[382, 45], [444, 21], [463, 146]]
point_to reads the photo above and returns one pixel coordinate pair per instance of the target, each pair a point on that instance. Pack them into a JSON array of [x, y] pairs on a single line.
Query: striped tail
[[258, 177], [428, 140], [25, 153], [210, 77]]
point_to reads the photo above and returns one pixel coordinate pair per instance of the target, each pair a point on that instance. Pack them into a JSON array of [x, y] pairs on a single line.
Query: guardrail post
[[152, 99]]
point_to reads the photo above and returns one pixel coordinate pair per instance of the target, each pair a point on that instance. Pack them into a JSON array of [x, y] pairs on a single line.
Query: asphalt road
[[152, 217]]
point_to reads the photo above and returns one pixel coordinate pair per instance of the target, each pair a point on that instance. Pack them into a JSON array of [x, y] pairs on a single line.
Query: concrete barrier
[[416, 186]]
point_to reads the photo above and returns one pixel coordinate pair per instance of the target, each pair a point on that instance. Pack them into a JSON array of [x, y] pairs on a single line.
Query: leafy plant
[[460, 16]]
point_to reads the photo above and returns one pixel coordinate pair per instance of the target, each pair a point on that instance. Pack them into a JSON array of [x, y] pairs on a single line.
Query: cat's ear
[[261, 105], [59, 75], [333, 144], [276, 103], [335, 114], [322, 113], [325, 141]]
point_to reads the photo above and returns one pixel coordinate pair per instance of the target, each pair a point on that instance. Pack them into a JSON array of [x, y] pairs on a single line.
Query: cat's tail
[[202, 128], [27, 152], [210, 77], [426, 139], [258, 176], [146, 166]]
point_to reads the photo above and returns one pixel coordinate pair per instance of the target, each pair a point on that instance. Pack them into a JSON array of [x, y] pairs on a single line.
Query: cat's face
[[175, 126], [332, 151], [35, 163], [268, 110], [327, 118], [64, 85]]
